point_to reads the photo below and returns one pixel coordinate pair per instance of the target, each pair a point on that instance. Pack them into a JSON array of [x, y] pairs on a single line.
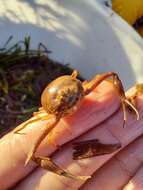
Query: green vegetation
[[24, 73]]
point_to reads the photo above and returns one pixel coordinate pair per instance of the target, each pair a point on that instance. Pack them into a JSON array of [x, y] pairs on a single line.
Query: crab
[[59, 99]]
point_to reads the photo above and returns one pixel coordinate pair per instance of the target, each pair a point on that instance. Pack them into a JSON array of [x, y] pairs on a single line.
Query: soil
[[21, 85]]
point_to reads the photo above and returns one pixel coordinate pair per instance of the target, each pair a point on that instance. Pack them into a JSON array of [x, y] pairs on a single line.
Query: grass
[[24, 73]]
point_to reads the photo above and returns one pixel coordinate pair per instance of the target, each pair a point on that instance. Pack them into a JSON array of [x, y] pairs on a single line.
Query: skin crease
[[110, 131], [14, 147], [136, 182]]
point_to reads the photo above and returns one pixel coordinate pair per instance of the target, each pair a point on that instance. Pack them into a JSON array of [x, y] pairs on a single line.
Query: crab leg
[[46, 162], [51, 124], [21, 127], [74, 74], [89, 86], [38, 117], [41, 110], [93, 147]]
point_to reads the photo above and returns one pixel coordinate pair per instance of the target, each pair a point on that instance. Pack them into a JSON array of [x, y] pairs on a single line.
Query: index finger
[[95, 108]]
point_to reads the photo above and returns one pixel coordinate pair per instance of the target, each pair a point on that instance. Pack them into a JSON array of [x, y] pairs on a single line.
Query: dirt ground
[[21, 85]]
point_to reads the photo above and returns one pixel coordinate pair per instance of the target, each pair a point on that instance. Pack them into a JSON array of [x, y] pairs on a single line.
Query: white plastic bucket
[[86, 34]]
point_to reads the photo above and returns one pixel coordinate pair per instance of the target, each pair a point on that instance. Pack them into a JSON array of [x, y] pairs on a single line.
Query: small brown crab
[[60, 98]]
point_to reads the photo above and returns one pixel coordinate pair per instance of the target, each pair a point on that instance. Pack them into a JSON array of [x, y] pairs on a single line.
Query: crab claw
[[90, 148], [48, 164]]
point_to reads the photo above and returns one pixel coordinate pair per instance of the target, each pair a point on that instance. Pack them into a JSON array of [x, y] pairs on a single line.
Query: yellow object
[[140, 30], [130, 10]]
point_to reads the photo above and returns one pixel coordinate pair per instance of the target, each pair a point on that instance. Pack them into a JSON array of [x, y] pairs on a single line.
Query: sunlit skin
[[59, 99]]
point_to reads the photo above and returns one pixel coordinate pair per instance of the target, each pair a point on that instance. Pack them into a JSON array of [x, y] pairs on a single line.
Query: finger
[[117, 172], [136, 183], [14, 147], [111, 131]]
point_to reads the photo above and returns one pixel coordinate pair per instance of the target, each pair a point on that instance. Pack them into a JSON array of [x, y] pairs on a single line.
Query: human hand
[[96, 107]]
